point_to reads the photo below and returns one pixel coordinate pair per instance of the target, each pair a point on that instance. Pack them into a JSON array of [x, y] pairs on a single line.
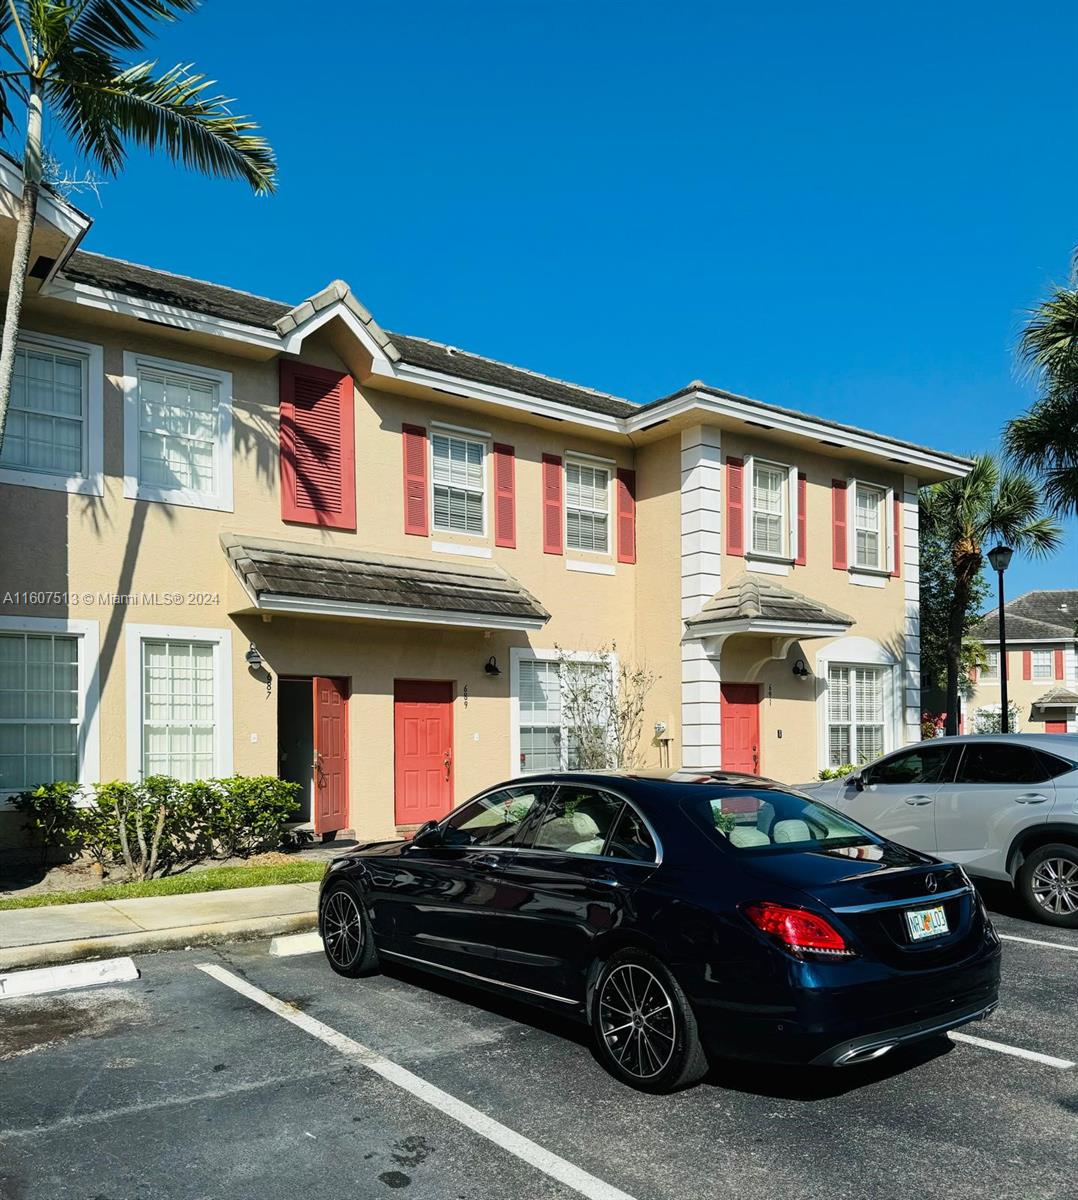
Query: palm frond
[[1049, 341], [111, 25], [1039, 538], [170, 112]]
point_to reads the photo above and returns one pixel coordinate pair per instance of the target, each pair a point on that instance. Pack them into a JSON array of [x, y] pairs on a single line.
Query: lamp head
[[1000, 557]]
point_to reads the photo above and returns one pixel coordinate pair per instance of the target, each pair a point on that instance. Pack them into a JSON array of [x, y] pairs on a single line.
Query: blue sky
[[844, 208]]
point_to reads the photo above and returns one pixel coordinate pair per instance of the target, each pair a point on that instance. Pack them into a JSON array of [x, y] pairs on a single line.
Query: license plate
[[927, 923]]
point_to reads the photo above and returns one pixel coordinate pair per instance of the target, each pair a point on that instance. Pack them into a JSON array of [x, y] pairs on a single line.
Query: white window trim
[[887, 528], [790, 549], [860, 652], [989, 675], [220, 500], [1051, 671], [89, 740], [482, 440], [221, 640], [519, 654], [610, 467], [90, 481]]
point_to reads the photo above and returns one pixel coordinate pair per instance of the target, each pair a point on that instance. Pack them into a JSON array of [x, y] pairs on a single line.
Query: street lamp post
[[1000, 558]]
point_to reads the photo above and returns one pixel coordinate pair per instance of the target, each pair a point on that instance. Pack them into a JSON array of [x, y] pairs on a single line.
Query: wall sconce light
[[492, 667], [254, 659], [800, 670]]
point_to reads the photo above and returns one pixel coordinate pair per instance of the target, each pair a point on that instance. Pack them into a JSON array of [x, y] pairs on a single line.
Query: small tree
[[603, 699], [989, 718]]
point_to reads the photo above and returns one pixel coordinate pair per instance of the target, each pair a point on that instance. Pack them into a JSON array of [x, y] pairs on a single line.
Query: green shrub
[[836, 772], [52, 816], [159, 824]]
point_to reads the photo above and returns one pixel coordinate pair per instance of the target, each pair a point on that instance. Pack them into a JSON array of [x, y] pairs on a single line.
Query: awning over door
[[301, 580], [1060, 697]]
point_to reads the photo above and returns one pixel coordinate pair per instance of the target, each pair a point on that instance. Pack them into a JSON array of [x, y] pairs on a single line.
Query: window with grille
[[459, 479], [39, 710], [178, 709], [1043, 664], [587, 507], [770, 503], [548, 741], [856, 703], [46, 425], [177, 430], [991, 669], [870, 541]]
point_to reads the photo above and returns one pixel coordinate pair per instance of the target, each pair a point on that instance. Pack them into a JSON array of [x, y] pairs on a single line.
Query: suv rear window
[[1001, 762], [1056, 766], [773, 820]]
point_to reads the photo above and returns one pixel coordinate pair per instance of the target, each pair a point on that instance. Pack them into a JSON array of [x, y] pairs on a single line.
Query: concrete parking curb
[[155, 939]]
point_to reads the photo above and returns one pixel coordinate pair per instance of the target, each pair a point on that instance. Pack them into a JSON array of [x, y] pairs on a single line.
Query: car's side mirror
[[429, 834], [857, 781]]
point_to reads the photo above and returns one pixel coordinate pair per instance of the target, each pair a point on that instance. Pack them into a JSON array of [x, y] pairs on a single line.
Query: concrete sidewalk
[[65, 932]]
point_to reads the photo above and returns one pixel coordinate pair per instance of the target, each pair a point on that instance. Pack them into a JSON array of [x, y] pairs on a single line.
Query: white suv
[[1005, 807]]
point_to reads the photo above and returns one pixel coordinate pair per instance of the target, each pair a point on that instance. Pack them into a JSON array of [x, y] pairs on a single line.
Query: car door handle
[[607, 881], [917, 801], [1031, 798], [485, 862]]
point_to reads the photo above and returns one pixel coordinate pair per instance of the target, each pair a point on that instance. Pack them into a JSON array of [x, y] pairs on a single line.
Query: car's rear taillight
[[797, 929]]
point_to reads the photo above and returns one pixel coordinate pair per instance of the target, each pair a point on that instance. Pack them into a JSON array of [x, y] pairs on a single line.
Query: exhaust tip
[[863, 1054]]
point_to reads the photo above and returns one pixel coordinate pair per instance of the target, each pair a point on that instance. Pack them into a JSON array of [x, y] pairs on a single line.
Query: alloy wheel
[[1055, 886], [636, 1018], [342, 928]]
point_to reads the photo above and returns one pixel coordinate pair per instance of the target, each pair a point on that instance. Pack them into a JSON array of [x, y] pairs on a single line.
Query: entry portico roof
[[752, 604], [1059, 697], [303, 580]]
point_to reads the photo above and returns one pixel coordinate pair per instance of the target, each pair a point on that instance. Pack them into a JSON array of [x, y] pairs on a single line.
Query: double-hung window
[[772, 495], [179, 687], [1043, 664], [54, 437], [870, 545], [48, 702], [587, 507], [177, 433], [459, 479], [991, 670], [856, 706], [556, 699]]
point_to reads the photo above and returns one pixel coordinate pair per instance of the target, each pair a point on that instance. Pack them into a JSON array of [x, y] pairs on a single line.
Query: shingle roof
[[1035, 616], [750, 598], [269, 568], [1058, 697]]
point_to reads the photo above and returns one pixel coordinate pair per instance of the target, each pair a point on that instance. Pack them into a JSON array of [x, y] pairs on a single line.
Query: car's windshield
[[767, 819]]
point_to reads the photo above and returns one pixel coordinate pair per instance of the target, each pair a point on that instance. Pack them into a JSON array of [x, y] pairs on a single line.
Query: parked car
[[679, 915], [1003, 807]]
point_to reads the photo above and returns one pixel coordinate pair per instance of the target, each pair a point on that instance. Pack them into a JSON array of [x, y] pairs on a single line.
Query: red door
[[1055, 727], [423, 750], [330, 754], [741, 727]]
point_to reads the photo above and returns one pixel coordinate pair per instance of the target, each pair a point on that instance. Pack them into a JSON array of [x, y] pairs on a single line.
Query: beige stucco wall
[[53, 542]]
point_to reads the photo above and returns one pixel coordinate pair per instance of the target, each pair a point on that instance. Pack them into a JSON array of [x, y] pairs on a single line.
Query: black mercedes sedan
[[681, 915]]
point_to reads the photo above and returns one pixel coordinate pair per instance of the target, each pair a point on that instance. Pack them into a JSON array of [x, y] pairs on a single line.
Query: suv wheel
[[645, 1030], [1048, 884]]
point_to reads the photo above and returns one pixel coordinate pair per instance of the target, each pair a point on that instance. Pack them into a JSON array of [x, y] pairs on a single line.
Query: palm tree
[[1045, 439], [65, 56], [989, 505]]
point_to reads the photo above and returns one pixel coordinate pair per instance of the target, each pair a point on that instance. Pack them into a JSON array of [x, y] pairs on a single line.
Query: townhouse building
[[248, 536], [1041, 662]]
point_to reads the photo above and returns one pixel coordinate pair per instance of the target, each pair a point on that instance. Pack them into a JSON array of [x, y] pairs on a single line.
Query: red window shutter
[[317, 443], [896, 570], [839, 550], [802, 519], [552, 504], [735, 506], [415, 480], [626, 516], [1059, 664], [1027, 664], [505, 510]]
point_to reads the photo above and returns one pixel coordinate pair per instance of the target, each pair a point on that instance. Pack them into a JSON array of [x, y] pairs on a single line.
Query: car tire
[[1047, 883], [346, 932], [644, 1027]]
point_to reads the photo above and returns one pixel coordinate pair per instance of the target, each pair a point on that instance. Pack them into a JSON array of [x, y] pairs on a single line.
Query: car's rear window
[[774, 820]]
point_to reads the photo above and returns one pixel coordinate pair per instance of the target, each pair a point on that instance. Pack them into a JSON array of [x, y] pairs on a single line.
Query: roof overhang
[[782, 633], [68, 221]]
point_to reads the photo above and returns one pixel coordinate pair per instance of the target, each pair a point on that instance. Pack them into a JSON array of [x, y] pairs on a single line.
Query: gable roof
[[756, 603], [1043, 615]]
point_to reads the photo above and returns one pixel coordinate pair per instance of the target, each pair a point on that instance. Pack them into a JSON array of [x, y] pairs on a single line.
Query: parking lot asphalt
[[180, 1085]]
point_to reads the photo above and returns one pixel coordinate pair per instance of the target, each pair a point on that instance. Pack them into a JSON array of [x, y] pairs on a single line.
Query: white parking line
[[501, 1135], [1063, 1064], [1013, 937]]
